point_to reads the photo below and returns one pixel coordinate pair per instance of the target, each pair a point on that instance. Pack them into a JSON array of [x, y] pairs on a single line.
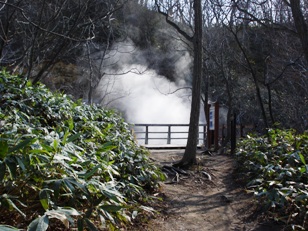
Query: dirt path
[[198, 203]]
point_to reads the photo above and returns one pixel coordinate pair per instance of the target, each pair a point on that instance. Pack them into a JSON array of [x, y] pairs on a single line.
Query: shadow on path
[[196, 203]]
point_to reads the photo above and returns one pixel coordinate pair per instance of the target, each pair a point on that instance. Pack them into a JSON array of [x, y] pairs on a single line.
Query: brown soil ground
[[196, 202]]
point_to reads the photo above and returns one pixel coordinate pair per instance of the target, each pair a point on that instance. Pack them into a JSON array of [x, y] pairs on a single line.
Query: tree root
[[175, 174], [207, 175]]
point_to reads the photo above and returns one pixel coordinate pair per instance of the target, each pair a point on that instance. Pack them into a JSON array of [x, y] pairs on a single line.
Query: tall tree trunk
[[230, 111], [270, 108], [189, 156], [300, 24]]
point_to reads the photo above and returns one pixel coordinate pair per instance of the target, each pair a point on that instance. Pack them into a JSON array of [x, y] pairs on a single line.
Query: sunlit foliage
[[65, 160], [275, 167]]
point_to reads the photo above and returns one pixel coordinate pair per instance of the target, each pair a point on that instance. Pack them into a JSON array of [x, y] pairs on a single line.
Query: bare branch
[[178, 89], [44, 29], [4, 3], [132, 70], [173, 24]]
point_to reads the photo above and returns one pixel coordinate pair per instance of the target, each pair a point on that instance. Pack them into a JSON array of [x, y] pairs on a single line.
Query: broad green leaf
[[73, 137], [39, 151], [29, 84], [12, 167], [113, 195], [103, 222], [107, 147], [4, 149], [90, 225], [56, 184], [39, 224], [13, 206], [107, 215], [56, 188], [68, 211], [44, 198], [302, 158], [70, 124], [20, 162], [148, 209], [111, 208], [22, 145], [8, 228], [60, 157], [92, 172], [55, 145], [301, 197], [70, 181], [64, 138], [303, 169], [89, 212], [80, 224], [68, 184], [47, 148], [96, 202], [60, 216], [2, 170]]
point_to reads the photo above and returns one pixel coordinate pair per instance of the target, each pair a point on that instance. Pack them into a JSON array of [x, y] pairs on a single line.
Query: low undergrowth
[[275, 167], [66, 162]]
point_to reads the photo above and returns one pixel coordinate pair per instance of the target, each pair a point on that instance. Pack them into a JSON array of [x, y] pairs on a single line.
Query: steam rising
[[141, 94], [147, 101]]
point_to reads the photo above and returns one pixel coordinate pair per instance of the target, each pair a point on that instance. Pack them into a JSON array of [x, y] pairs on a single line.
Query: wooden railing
[[168, 132]]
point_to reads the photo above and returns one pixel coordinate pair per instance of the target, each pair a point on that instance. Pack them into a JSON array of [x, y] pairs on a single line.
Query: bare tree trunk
[[230, 111], [300, 24], [270, 108], [189, 156]]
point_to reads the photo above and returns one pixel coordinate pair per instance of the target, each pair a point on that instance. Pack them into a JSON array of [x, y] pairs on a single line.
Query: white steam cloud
[[148, 101], [146, 97]]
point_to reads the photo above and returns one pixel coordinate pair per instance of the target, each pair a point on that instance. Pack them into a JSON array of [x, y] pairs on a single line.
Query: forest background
[[253, 52]]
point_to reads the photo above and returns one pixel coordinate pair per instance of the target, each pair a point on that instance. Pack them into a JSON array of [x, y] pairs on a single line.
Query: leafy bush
[[276, 169], [65, 160]]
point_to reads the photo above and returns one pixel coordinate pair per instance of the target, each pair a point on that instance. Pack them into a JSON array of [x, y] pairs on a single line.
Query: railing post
[[216, 129], [223, 134], [204, 135], [146, 134], [233, 134], [169, 135]]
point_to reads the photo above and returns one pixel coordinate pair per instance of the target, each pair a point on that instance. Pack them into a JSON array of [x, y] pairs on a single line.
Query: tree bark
[[189, 157], [300, 24]]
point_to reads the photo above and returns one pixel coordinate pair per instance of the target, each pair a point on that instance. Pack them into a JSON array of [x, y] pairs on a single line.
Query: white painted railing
[[168, 132]]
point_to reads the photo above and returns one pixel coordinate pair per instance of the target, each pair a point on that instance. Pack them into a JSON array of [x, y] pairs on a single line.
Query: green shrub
[[275, 167], [66, 160]]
